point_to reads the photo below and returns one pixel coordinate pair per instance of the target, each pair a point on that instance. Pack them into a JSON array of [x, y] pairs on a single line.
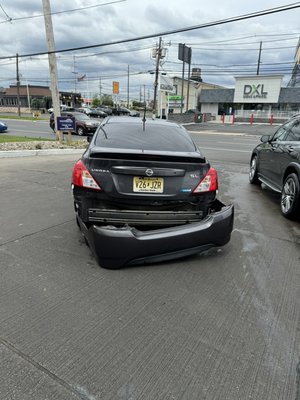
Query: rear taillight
[[209, 183], [82, 177]]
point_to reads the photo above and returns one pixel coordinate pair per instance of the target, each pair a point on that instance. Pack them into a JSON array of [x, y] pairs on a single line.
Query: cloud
[[214, 48]]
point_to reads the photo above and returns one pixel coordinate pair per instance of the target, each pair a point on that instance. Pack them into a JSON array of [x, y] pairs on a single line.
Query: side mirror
[[89, 139], [265, 138]]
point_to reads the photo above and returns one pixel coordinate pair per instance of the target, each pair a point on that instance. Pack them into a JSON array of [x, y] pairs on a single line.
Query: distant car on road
[[3, 127], [276, 163], [143, 192], [84, 124]]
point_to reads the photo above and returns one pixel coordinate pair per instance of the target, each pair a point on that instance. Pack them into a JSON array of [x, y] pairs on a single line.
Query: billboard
[[184, 53]]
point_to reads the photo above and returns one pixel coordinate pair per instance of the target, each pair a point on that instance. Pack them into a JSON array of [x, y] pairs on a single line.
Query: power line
[[195, 27], [243, 49], [230, 65], [5, 13], [242, 43], [57, 12], [223, 41]]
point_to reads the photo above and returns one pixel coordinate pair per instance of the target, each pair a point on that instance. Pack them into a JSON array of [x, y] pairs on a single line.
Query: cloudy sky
[[221, 51]]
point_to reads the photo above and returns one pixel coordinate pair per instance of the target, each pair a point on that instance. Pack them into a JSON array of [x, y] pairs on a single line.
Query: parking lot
[[220, 325]]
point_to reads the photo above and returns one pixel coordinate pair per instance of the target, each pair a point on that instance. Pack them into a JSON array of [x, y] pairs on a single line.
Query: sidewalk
[[32, 153]]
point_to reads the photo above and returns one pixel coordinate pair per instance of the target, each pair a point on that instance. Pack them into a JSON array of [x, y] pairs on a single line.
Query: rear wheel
[[253, 177], [80, 131], [290, 197]]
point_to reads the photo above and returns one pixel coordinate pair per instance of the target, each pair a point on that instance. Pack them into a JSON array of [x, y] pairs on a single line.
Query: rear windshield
[[155, 137]]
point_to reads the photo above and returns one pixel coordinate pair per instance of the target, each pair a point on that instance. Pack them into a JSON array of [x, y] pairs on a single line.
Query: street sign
[[115, 87], [66, 123], [184, 53]]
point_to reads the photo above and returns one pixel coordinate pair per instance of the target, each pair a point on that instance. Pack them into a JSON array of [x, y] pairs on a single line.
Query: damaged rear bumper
[[116, 247]]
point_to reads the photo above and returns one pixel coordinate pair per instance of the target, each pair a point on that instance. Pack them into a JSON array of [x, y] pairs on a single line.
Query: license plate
[[148, 185]]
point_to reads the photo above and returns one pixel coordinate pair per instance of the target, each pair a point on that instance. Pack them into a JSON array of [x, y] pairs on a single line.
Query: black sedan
[[276, 163], [143, 192]]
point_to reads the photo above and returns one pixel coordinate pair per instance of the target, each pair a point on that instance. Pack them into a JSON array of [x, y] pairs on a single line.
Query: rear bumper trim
[[116, 247]]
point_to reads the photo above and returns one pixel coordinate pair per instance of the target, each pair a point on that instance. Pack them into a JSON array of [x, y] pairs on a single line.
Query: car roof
[[136, 121], [71, 112]]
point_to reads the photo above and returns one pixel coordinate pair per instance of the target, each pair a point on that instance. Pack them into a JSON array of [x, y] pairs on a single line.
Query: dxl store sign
[[255, 91]]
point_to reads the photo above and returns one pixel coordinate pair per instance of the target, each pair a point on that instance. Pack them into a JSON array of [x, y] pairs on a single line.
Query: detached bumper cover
[[116, 247]]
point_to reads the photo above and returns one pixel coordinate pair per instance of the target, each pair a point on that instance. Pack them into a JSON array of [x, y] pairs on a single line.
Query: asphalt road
[[33, 129], [41, 129], [223, 325]]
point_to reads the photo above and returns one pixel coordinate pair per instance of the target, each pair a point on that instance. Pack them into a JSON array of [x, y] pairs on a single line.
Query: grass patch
[[24, 118], [8, 138]]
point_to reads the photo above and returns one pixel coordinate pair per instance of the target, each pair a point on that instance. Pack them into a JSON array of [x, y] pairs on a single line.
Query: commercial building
[[29, 97], [260, 96], [177, 95]]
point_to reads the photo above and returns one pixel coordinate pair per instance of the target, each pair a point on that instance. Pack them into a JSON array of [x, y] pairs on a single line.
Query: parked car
[[120, 111], [106, 109], [276, 163], [96, 113], [134, 113], [143, 192], [62, 108], [92, 112], [3, 127], [84, 124]]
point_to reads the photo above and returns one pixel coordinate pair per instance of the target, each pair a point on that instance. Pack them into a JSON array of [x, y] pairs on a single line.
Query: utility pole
[[75, 73], [158, 57], [128, 87], [185, 55], [52, 66], [18, 84], [258, 62], [182, 84], [189, 75]]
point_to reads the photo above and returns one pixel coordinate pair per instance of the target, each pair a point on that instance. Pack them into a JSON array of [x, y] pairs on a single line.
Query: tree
[[138, 104], [36, 103], [107, 100], [47, 102], [96, 102]]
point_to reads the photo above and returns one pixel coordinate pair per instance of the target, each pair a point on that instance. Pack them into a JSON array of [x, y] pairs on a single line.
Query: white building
[[175, 100], [259, 95]]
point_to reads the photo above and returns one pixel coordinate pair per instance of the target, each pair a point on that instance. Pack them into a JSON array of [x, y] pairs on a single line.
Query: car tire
[[290, 197], [80, 131], [253, 176]]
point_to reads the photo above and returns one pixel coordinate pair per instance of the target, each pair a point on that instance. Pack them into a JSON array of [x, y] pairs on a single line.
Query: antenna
[[144, 118]]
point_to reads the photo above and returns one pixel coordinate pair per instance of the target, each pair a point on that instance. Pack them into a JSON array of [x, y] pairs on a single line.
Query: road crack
[[81, 393]]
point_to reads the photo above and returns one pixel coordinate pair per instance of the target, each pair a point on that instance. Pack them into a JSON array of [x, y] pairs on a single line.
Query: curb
[[33, 153]]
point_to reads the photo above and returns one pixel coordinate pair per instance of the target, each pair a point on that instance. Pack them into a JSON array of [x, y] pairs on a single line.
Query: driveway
[[220, 325]]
